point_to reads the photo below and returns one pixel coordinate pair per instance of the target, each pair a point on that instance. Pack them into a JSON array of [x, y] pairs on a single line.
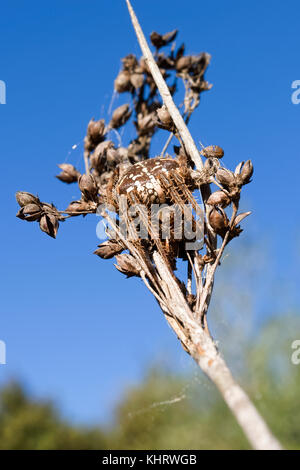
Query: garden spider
[[165, 181]]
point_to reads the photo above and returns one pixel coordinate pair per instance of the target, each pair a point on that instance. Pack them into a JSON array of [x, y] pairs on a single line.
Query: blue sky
[[74, 328]]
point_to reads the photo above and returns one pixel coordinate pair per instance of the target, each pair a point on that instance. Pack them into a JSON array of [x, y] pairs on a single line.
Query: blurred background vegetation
[[254, 317], [174, 409], [168, 411]]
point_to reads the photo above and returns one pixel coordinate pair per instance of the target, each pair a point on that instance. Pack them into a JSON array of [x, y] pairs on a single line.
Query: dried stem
[[193, 333], [165, 93], [203, 350], [165, 148], [86, 162], [207, 290]]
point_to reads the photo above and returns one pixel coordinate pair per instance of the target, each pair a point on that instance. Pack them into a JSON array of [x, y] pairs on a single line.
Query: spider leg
[[181, 195], [164, 251]]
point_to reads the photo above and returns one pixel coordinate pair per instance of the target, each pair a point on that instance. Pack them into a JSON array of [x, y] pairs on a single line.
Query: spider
[[161, 180], [155, 181]]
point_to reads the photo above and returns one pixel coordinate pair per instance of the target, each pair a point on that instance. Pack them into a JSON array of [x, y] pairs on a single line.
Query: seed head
[[246, 172], [219, 198], [23, 198], [218, 221], [137, 80], [160, 40], [109, 249], [211, 165], [120, 116], [30, 212], [164, 119], [225, 177], [122, 82], [69, 173], [130, 62], [212, 151], [145, 124], [81, 206], [241, 217], [95, 131], [88, 186], [49, 224], [127, 265], [183, 63]]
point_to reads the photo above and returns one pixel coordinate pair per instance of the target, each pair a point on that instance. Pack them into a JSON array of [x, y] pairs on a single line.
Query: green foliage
[[26, 424], [275, 382], [167, 413]]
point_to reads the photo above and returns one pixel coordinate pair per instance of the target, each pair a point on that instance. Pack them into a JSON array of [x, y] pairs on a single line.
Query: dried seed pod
[[81, 206], [238, 168], [160, 40], [225, 177], [157, 40], [88, 186], [246, 172], [180, 52], [69, 173], [122, 82], [234, 232], [97, 161], [137, 80], [50, 209], [170, 36], [123, 154], [212, 151], [95, 130], [120, 116], [241, 217], [211, 166], [23, 198], [104, 155], [30, 212], [103, 146], [218, 220], [49, 224], [130, 62], [183, 63], [165, 120], [109, 249], [219, 198], [127, 265], [112, 157], [145, 124], [98, 157]]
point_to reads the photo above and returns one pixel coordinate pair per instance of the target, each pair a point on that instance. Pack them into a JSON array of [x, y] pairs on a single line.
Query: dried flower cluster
[[106, 162], [32, 209], [114, 171]]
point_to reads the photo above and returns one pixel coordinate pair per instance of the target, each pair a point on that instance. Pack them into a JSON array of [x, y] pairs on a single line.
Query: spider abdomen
[[143, 180]]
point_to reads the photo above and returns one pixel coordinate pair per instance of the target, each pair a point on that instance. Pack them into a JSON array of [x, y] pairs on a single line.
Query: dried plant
[[126, 181]]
